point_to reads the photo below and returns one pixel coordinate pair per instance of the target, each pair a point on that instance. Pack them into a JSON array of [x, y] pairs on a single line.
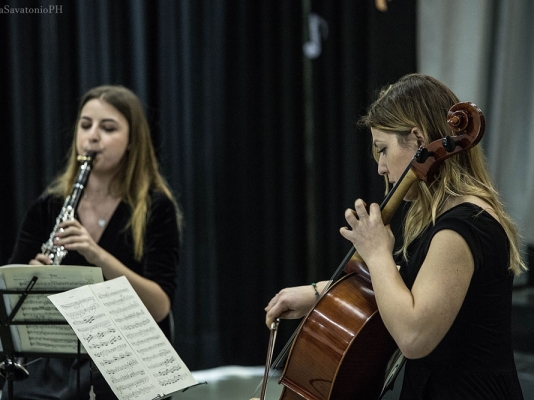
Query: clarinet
[[57, 253]]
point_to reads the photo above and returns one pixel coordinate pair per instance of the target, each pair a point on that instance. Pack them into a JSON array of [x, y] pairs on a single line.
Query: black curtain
[[257, 141]]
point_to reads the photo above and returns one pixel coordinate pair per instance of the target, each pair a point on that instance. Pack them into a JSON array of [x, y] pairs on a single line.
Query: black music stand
[[12, 370]]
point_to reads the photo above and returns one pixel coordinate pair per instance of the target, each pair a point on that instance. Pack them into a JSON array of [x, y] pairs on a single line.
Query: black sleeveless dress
[[475, 359]]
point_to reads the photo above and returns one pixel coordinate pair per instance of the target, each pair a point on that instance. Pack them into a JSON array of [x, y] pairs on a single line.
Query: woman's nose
[[382, 168], [94, 134]]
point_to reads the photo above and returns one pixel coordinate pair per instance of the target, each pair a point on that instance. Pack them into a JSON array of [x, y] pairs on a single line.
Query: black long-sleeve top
[[161, 246]]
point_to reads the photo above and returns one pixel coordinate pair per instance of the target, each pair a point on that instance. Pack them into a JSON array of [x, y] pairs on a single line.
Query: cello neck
[[394, 198]]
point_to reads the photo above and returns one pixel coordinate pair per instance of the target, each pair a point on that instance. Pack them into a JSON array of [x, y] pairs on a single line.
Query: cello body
[[349, 360]]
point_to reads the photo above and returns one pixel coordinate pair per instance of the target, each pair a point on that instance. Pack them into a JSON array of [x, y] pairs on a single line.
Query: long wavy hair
[[421, 101], [138, 174]]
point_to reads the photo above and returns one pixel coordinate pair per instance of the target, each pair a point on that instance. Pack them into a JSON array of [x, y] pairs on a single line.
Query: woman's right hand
[[40, 259], [292, 303]]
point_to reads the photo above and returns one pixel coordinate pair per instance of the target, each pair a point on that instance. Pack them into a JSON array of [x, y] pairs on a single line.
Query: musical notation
[[141, 333], [37, 307], [154, 356], [101, 354], [110, 361], [166, 362], [123, 339]]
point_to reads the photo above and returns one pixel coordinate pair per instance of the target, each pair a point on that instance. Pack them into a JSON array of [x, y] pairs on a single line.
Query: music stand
[[14, 371]]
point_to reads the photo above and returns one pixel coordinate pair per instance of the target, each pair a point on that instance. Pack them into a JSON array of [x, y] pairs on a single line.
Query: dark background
[[258, 142]]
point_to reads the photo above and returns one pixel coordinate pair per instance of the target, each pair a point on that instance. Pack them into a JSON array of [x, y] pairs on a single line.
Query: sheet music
[[37, 307], [123, 340]]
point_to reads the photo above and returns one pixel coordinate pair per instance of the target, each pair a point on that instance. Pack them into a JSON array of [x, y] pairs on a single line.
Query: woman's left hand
[[368, 233], [74, 237]]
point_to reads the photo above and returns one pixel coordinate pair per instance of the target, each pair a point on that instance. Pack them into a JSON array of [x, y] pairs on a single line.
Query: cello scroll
[[464, 118]]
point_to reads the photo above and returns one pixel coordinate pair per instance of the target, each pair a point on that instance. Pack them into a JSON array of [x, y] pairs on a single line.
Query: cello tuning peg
[[449, 143], [422, 155]]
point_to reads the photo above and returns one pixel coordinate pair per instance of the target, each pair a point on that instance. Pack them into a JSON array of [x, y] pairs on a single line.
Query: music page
[[47, 338], [123, 340]]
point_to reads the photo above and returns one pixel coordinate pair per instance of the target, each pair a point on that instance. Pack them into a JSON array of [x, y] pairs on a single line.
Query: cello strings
[[285, 350]]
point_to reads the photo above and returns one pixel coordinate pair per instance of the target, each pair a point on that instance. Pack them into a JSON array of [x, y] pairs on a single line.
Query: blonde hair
[[421, 101], [138, 173]]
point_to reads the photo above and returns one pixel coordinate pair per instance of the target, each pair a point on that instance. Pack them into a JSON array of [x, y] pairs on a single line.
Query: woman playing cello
[[445, 295]]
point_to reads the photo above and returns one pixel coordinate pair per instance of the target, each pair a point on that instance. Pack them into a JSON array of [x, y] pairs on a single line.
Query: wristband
[[316, 291]]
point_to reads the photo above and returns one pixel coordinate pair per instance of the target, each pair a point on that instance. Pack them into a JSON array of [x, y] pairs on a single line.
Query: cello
[[342, 349]]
